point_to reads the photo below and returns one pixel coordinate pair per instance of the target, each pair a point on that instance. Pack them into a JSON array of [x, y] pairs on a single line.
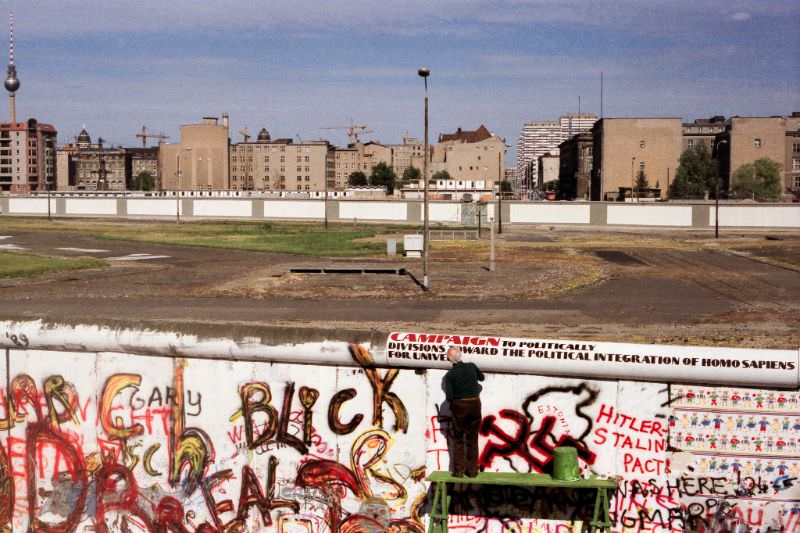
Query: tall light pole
[[633, 183], [424, 72]]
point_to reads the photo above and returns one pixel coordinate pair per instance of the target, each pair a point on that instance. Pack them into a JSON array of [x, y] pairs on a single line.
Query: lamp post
[[424, 72], [633, 183]]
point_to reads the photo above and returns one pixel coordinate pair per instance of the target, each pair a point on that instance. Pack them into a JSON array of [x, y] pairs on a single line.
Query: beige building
[[359, 157], [346, 161], [622, 147], [470, 155], [407, 154], [747, 139], [281, 165], [703, 131], [792, 159], [200, 160]]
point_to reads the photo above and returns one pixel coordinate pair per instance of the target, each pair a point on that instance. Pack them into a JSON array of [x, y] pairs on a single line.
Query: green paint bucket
[[565, 464]]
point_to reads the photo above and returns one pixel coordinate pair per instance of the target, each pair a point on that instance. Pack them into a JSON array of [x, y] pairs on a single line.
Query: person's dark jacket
[[461, 381]]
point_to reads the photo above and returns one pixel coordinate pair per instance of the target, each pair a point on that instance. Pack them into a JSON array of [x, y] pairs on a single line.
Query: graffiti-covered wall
[[100, 441]]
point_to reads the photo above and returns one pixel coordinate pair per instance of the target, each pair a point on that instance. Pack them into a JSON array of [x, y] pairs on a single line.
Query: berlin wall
[[409, 212], [138, 431]]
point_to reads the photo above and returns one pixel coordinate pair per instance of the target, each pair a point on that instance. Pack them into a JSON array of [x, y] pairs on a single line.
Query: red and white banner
[[605, 360]]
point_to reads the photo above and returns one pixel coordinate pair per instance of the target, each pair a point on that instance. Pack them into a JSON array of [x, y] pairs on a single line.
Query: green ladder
[[601, 521]]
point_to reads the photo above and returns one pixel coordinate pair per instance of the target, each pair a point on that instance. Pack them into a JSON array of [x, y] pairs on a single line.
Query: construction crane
[[144, 136], [353, 130]]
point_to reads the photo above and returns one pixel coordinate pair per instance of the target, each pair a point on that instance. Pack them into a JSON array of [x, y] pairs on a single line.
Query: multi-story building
[[540, 137], [702, 131], [200, 161], [408, 154], [101, 169], [281, 165], [27, 156], [792, 159], [87, 166], [470, 155], [623, 147], [548, 166], [144, 160], [346, 161], [747, 139], [575, 166]]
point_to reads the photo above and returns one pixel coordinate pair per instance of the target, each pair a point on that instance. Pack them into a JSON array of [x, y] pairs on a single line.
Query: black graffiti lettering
[[338, 427]]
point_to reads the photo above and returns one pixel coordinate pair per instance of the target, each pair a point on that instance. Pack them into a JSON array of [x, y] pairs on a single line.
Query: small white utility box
[[412, 245]]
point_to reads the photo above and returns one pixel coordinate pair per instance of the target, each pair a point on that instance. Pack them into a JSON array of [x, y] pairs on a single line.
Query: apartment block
[[27, 156], [540, 137], [268, 164], [622, 147], [470, 155]]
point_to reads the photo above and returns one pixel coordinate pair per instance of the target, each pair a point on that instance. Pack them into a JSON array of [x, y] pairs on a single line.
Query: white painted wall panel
[[441, 212], [223, 208], [550, 213], [650, 215], [365, 210], [153, 206], [36, 206], [772, 216], [91, 206], [310, 209]]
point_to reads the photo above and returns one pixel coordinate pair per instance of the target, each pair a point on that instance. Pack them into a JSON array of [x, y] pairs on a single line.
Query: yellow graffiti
[[147, 461], [114, 385]]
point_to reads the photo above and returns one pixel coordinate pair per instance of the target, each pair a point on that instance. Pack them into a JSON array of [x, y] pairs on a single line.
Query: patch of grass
[[18, 265], [283, 237]]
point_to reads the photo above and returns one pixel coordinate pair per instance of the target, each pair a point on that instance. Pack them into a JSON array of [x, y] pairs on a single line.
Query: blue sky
[[295, 67]]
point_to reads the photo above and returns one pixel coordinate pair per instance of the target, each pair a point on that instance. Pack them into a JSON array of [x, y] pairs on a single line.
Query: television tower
[[11, 83]]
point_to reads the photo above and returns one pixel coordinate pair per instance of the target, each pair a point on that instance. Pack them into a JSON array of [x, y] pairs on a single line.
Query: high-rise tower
[[12, 82]]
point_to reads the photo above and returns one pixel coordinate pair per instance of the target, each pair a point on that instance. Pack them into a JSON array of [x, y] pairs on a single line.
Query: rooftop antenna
[[11, 83]]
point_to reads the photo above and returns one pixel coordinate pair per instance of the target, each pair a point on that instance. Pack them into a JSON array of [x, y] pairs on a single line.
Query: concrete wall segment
[[170, 444], [568, 358]]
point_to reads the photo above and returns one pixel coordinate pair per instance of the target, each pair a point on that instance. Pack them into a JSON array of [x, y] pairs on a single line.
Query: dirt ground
[[633, 286]]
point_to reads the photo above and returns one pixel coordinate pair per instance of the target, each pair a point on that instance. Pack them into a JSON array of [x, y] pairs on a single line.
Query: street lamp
[[633, 183], [424, 72]]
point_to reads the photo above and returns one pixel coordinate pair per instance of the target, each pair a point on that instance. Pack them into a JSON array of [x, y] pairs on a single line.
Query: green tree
[[696, 175], [641, 181], [411, 174], [441, 175], [357, 179], [143, 181], [760, 180], [383, 176], [505, 186]]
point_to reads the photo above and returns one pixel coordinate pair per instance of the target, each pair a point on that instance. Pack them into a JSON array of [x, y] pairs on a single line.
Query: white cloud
[[741, 15]]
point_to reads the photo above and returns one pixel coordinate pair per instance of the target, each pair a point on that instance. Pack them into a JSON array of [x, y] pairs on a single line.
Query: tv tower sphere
[[11, 83]]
